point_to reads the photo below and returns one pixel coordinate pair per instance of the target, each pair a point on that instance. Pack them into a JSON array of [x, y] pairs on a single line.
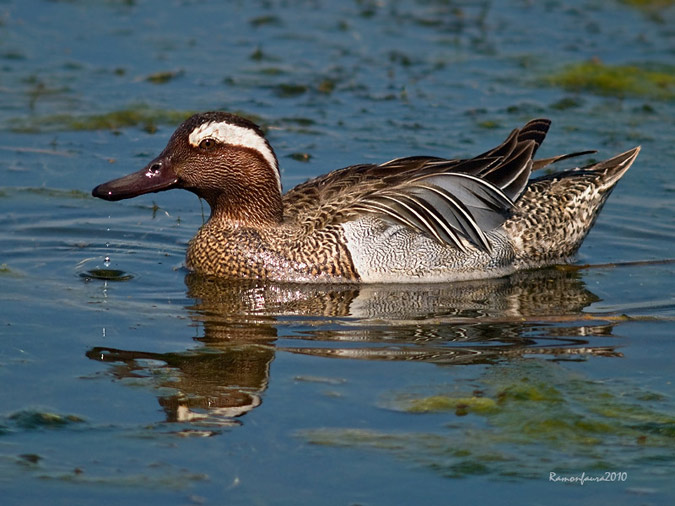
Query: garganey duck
[[415, 219]]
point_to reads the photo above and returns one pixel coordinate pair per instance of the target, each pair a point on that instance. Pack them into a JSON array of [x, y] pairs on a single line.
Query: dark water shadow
[[244, 324]]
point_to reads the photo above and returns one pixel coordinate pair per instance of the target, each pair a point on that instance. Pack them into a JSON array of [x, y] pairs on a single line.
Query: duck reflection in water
[[479, 322]]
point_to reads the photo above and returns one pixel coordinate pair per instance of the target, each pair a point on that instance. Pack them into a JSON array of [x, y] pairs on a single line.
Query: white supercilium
[[235, 135]]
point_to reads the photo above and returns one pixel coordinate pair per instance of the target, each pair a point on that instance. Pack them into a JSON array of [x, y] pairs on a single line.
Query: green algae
[[532, 391], [617, 80], [649, 4], [8, 192], [436, 403], [30, 458], [489, 124], [33, 419], [326, 86], [567, 103], [258, 55], [177, 479], [300, 157], [9, 272], [145, 117], [163, 77], [272, 71], [528, 413], [265, 21], [57, 192], [288, 90]]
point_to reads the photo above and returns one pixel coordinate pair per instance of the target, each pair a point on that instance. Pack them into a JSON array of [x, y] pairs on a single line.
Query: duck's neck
[[258, 208]]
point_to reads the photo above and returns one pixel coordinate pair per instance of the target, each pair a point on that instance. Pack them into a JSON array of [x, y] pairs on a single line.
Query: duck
[[417, 219]]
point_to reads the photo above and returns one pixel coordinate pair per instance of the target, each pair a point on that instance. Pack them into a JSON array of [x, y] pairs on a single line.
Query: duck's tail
[[556, 212], [610, 171]]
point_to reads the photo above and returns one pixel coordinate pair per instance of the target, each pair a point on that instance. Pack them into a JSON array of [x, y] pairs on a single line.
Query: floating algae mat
[[617, 80], [36, 419], [145, 117], [649, 4], [529, 418]]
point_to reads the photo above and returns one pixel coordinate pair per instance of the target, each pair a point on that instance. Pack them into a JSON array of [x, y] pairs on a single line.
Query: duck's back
[[547, 223]]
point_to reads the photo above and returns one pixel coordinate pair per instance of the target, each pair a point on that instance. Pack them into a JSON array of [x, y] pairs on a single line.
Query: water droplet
[[106, 261]]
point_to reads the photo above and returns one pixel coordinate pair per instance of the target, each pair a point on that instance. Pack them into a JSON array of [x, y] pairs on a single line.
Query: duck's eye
[[207, 144]]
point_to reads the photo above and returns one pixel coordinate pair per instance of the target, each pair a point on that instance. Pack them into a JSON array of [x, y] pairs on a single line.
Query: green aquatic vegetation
[[272, 71], [30, 458], [649, 4], [326, 86], [300, 157], [489, 124], [163, 77], [304, 122], [56, 192], [525, 413], [38, 88], [160, 479], [145, 117], [13, 55], [265, 20], [44, 192], [6, 270], [291, 90], [526, 390], [287, 90], [617, 80], [567, 103], [30, 419], [258, 55], [437, 403]]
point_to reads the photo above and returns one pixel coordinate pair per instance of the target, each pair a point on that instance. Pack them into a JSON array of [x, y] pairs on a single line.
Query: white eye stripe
[[235, 135]]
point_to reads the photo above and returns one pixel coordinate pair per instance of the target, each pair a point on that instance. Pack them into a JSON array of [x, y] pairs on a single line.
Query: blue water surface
[[125, 379]]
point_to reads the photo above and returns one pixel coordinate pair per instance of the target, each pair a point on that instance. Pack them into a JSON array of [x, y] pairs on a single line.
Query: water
[[126, 379]]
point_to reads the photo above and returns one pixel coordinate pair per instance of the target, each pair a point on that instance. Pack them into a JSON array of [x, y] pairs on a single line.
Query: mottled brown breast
[[278, 253]]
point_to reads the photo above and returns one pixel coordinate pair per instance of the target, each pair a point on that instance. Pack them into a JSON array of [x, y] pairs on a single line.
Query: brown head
[[224, 159]]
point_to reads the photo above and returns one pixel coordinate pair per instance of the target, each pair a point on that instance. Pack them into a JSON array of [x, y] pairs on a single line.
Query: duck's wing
[[453, 201]]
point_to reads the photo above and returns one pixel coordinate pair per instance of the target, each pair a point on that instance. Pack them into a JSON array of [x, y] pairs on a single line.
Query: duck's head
[[223, 158]]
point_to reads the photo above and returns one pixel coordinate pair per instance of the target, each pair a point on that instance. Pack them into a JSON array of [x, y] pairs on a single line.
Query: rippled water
[[125, 378]]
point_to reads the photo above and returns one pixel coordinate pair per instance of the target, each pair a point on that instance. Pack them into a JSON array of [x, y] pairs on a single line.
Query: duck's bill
[[152, 178]]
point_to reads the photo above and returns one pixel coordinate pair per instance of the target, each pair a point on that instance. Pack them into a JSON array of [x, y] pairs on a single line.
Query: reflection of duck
[[460, 323], [416, 219], [536, 293], [533, 310], [213, 386]]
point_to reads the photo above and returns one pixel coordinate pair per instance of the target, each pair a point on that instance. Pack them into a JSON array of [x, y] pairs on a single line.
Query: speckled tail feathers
[[557, 211], [613, 169]]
